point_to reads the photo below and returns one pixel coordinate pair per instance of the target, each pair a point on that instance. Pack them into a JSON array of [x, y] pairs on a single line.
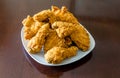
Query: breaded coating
[[81, 38], [28, 21], [45, 15], [58, 54], [63, 29], [55, 14], [77, 32], [53, 40], [58, 32], [42, 15], [64, 15], [36, 43], [30, 27], [55, 9]]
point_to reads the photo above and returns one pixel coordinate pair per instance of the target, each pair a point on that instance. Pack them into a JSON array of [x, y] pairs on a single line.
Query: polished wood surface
[[100, 17]]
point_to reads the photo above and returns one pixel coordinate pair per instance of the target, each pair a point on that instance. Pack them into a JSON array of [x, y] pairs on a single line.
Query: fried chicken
[[81, 38], [58, 32], [31, 27], [77, 33], [64, 15], [58, 54], [45, 15], [36, 43], [53, 40], [63, 29], [55, 14]]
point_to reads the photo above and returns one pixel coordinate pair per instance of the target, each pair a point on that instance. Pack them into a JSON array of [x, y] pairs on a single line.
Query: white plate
[[39, 57]]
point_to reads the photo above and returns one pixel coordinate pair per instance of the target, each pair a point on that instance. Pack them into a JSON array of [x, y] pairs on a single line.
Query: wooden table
[[101, 18]]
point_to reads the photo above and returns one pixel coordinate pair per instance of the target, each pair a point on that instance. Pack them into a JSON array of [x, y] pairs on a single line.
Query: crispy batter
[[35, 44], [63, 29], [55, 14], [42, 15], [58, 31], [64, 15], [30, 27], [28, 21], [77, 32], [45, 15], [58, 54], [81, 38], [54, 8], [53, 40]]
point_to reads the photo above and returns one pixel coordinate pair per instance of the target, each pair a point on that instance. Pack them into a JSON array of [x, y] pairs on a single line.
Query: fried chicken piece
[[45, 15], [58, 54], [53, 40], [81, 38], [35, 44], [63, 29], [42, 15], [55, 14], [30, 27], [64, 15]]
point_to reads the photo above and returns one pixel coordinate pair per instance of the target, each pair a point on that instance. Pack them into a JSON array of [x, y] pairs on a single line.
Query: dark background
[[100, 17]]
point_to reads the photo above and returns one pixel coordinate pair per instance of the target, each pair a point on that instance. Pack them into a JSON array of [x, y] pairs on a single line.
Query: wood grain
[[103, 62]]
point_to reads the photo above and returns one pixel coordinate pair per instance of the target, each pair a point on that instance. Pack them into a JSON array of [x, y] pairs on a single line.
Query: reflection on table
[[56, 71]]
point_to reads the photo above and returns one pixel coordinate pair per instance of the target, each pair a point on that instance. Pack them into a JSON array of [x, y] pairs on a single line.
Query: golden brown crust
[[54, 8], [45, 15], [42, 15], [53, 40], [64, 15], [58, 31], [31, 27], [81, 38], [63, 29], [58, 54], [36, 43]]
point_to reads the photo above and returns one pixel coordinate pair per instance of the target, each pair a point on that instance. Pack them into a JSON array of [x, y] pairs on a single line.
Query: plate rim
[[60, 64]]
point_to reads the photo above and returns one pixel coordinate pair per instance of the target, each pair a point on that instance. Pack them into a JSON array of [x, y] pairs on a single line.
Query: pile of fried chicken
[[58, 32]]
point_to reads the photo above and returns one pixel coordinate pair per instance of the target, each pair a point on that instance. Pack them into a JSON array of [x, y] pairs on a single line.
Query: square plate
[[39, 57]]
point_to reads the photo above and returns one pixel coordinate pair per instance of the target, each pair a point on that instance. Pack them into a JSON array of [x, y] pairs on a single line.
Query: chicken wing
[[58, 32], [35, 44], [53, 40], [64, 15], [81, 38], [63, 29], [58, 54], [45, 16], [30, 27], [55, 14]]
